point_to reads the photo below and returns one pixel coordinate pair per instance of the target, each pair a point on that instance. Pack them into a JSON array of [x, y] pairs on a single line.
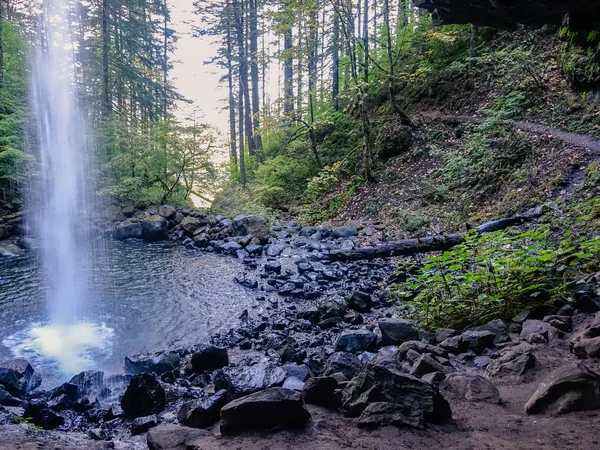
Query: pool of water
[[144, 297]]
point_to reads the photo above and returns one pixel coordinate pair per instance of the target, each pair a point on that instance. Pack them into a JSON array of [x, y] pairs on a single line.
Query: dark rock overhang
[[577, 14]]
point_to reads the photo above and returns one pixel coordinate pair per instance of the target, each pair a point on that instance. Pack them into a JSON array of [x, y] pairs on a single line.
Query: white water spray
[[61, 200]]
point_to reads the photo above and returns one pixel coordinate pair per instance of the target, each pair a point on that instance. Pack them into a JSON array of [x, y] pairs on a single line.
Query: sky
[[195, 80]]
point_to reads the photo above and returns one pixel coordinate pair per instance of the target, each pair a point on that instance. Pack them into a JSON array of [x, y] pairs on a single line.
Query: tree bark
[[232, 137], [288, 70], [257, 140], [426, 244], [335, 61], [106, 104]]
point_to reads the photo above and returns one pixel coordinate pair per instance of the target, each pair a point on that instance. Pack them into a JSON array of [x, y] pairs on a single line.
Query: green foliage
[[232, 199], [166, 164], [15, 165], [493, 275]]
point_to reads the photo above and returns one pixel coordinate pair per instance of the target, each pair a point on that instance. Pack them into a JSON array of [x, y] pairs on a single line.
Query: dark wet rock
[[252, 225], [586, 344], [356, 341], [128, 229], [380, 414], [434, 378], [157, 363], [513, 363], [273, 266], [332, 309], [472, 388], [249, 283], [287, 289], [263, 411], [7, 399], [345, 232], [167, 211], [230, 247], [442, 334], [190, 224], [144, 396], [254, 249], [376, 383], [311, 314], [451, 344], [207, 358], [397, 331], [476, 340], [307, 231], [360, 301], [499, 328], [114, 213], [274, 250], [420, 348], [562, 323], [204, 412], [244, 380], [573, 387], [142, 424], [174, 437], [20, 376], [154, 227], [319, 390], [347, 363], [426, 364], [89, 382], [43, 416], [297, 371]]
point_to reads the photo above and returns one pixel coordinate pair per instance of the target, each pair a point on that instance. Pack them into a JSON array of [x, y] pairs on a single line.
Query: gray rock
[[157, 363], [142, 424], [129, 229], [380, 384], [174, 437], [356, 341], [204, 412], [534, 327], [426, 364], [244, 380], [499, 328], [296, 371], [514, 363], [345, 232], [573, 387], [144, 396], [293, 383], [167, 211], [397, 331], [190, 225], [263, 411], [252, 225], [451, 344], [347, 363], [273, 266], [442, 334], [360, 301], [89, 382], [207, 358], [154, 227], [472, 388], [274, 250], [380, 414], [476, 340], [320, 390]]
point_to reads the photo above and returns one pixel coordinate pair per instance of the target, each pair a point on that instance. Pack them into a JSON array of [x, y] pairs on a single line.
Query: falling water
[[61, 199]]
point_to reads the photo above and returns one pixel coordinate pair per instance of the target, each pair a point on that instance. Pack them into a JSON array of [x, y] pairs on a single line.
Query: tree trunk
[[288, 70], [239, 9], [312, 76], [1, 46], [257, 141], [106, 104], [232, 137], [335, 61]]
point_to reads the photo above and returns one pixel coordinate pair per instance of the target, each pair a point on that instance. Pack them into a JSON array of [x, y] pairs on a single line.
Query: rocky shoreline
[[321, 339]]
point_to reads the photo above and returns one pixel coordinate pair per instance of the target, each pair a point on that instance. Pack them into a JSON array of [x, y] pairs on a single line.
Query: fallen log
[[426, 244]]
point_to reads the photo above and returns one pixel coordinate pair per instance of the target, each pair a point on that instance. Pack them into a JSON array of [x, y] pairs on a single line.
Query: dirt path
[[580, 140]]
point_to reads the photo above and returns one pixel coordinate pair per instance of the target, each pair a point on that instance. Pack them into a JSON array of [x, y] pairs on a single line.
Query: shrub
[[492, 276]]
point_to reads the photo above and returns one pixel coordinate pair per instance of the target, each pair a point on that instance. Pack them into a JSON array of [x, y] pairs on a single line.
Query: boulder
[[174, 437], [89, 382], [420, 348], [274, 250], [573, 387], [347, 363], [356, 341], [397, 331], [472, 388], [252, 225], [167, 211], [129, 229], [230, 248], [587, 343], [207, 358], [114, 213], [499, 328], [442, 334], [345, 232], [157, 363], [513, 363], [27, 378], [154, 227], [43, 416], [426, 364], [273, 266], [293, 383], [531, 326], [384, 413], [360, 301], [142, 424], [190, 224], [144, 396], [376, 383], [320, 390], [476, 340], [263, 411], [204, 412], [245, 380], [9, 250]]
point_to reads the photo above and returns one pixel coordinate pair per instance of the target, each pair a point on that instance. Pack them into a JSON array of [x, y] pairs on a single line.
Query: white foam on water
[[69, 348]]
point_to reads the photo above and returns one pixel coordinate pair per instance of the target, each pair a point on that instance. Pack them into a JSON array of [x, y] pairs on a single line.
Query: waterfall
[[61, 200]]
